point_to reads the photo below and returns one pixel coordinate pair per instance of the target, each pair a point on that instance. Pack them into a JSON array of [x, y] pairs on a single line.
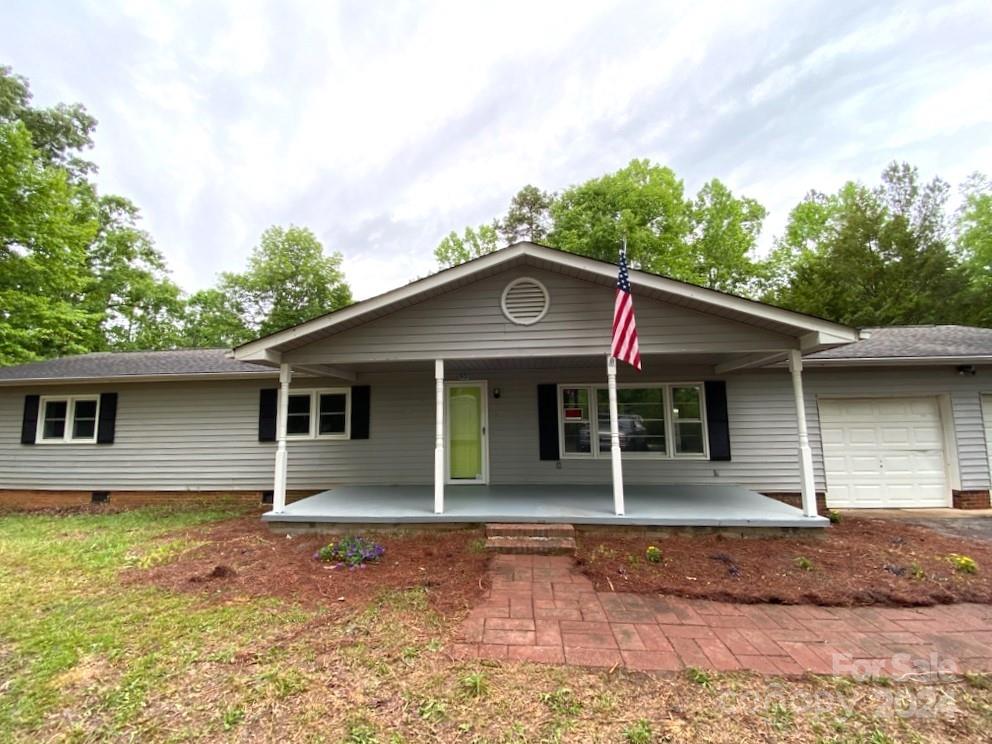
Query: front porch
[[656, 506]]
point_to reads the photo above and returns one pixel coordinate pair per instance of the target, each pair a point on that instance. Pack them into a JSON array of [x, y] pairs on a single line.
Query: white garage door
[[883, 452]]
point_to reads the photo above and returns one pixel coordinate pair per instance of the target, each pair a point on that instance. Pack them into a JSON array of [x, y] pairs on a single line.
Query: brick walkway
[[540, 608]]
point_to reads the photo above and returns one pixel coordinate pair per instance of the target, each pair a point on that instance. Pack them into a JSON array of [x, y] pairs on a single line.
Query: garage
[[883, 452]]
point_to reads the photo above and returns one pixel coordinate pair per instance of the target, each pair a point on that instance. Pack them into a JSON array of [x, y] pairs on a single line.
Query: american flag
[[624, 345]]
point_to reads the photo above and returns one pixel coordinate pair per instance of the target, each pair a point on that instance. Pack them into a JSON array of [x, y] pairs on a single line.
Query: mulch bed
[[858, 562], [242, 558]]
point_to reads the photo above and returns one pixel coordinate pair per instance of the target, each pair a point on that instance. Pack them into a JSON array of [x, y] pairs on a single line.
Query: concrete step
[[533, 529], [531, 545]]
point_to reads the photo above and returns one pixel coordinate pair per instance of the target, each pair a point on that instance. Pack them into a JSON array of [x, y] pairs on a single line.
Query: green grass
[[86, 658], [65, 618]]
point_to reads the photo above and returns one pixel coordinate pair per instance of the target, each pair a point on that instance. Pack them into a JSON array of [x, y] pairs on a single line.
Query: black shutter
[[717, 422], [360, 404], [268, 402], [107, 424], [29, 424], [547, 421]]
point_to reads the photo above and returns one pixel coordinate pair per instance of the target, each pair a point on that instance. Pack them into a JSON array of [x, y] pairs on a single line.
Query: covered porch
[[658, 506]]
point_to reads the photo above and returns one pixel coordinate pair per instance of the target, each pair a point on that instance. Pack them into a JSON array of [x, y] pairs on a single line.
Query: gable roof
[[923, 343], [134, 365], [821, 333]]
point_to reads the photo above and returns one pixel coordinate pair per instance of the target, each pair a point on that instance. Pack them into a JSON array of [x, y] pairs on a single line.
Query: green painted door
[[465, 432]]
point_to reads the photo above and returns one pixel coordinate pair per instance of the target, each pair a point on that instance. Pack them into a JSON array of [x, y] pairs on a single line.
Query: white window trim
[[70, 415], [669, 454], [315, 394]]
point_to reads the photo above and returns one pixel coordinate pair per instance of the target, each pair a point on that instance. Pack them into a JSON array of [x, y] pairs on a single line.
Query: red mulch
[[858, 562], [242, 558]]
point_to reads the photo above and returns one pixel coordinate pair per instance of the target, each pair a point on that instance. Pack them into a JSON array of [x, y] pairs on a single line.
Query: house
[[480, 393]]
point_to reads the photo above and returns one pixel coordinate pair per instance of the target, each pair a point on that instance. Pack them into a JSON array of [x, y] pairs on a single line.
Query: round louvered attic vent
[[525, 301]]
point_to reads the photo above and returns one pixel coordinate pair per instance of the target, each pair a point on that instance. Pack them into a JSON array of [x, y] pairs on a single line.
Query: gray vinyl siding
[[469, 322], [203, 436], [965, 393]]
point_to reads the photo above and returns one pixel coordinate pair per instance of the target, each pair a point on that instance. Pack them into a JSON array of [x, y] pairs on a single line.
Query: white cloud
[[384, 127]]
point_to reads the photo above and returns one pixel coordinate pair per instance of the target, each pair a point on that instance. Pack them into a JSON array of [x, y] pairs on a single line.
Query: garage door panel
[[880, 452]]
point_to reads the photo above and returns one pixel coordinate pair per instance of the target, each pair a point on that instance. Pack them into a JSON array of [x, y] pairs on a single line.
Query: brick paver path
[[541, 608]]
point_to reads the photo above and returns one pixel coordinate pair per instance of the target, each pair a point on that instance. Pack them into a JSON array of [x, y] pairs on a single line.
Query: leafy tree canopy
[[289, 280]]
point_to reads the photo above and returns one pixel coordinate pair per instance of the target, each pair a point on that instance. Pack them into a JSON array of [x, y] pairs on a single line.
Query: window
[[319, 414], [652, 421], [68, 419]]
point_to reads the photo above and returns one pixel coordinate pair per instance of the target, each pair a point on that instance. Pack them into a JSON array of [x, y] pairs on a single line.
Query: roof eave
[[902, 361], [114, 379]]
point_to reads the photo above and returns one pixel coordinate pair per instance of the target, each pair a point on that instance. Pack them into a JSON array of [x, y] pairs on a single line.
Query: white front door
[[883, 452], [466, 432]]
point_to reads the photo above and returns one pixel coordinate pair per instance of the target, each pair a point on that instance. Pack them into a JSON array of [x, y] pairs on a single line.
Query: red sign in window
[[573, 413]]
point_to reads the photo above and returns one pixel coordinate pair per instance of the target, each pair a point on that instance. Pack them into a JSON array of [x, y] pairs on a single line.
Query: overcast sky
[[383, 125]]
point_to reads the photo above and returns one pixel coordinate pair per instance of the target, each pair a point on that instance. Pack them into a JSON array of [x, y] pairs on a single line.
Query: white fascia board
[[202, 377], [895, 361]]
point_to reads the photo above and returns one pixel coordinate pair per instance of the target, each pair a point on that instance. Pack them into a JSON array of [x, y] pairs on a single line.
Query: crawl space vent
[[525, 301]]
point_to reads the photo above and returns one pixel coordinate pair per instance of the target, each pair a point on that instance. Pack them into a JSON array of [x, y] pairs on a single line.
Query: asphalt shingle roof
[[137, 363], [883, 343], [915, 341]]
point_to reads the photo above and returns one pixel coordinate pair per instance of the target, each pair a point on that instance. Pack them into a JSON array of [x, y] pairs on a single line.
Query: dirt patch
[[242, 558], [858, 562]]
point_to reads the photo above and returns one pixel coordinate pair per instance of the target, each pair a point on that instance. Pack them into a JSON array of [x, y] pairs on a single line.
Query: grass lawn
[[87, 656]]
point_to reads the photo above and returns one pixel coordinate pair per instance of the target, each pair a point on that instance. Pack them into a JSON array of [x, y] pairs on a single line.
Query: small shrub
[[232, 717], [603, 552], [916, 571], [638, 732], [653, 554], [352, 550], [475, 684], [803, 563], [432, 710], [361, 733], [698, 676], [834, 516], [963, 563], [779, 716], [562, 701], [478, 545]]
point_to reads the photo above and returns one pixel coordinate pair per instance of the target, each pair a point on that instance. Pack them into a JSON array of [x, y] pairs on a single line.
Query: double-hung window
[[65, 419], [659, 420], [319, 414]]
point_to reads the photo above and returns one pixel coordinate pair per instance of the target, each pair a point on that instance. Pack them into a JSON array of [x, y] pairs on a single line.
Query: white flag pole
[[611, 377], [617, 467]]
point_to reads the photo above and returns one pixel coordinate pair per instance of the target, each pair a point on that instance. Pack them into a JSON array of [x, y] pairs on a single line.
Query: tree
[[42, 256], [642, 203], [873, 256], [76, 272], [141, 307], [289, 280], [724, 238], [974, 243], [455, 249], [528, 216]]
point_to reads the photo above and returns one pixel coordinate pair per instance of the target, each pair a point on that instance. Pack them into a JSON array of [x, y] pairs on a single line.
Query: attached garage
[[884, 452]]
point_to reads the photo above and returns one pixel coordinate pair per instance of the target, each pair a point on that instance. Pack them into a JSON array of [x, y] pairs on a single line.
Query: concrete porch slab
[[668, 506]]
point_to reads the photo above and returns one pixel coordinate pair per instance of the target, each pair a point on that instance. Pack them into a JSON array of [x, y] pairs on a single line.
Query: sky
[[382, 126]]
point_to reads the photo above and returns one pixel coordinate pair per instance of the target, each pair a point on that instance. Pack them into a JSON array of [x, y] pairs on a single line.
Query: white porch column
[[611, 377], [279, 490], [807, 482], [439, 437]]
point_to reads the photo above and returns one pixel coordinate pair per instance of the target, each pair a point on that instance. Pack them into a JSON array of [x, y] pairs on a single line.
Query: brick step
[[531, 545], [525, 529]]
